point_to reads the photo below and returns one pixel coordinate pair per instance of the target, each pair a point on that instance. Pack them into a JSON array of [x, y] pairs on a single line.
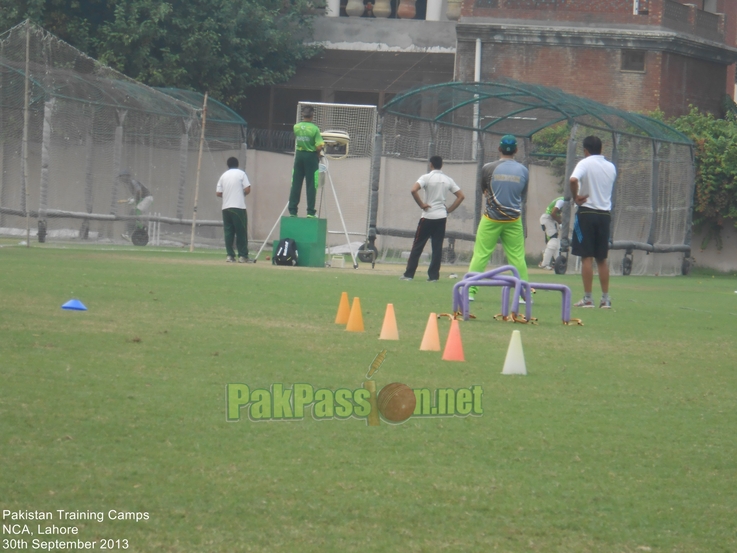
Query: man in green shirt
[[309, 144]]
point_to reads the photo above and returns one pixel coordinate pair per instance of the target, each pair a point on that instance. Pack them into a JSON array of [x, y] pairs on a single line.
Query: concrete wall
[[399, 35], [271, 177], [711, 258], [270, 174]]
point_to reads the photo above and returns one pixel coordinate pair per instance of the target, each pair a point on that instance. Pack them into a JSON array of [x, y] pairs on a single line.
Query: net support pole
[[655, 177], [478, 195], [89, 182], [690, 196], [197, 180], [244, 148], [43, 192], [616, 137], [2, 178], [374, 183], [117, 161], [476, 110], [565, 224], [433, 139], [526, 161], [244, 153], [26, 118], [183, 154]]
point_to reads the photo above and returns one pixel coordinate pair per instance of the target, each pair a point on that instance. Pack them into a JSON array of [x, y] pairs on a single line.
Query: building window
[[710, 6], [487, 3], [633, 60]]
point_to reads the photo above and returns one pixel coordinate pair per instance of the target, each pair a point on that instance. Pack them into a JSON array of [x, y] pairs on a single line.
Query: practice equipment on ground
[[74, 305], [348, 131], [514, 363]]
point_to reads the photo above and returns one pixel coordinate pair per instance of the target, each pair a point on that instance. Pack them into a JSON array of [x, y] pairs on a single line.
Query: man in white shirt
[[592, 184], [436, 185], [233, 187]]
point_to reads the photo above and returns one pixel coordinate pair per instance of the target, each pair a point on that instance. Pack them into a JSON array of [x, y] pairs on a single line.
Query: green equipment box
[[310, 236]]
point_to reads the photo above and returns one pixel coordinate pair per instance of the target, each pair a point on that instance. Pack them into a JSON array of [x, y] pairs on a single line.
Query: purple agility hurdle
[[507, 282]]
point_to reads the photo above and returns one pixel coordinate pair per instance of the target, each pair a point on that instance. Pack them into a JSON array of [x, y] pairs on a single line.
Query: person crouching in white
[[549, 222]]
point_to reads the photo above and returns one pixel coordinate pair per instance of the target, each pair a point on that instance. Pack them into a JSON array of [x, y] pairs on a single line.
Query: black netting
[[88, 127]]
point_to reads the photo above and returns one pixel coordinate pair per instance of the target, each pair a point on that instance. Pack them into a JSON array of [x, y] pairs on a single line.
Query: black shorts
[[591, 233]]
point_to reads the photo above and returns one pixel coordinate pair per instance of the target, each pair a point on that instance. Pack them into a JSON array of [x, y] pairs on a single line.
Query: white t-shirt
[[596, 178], [232, 183], [436, 185]]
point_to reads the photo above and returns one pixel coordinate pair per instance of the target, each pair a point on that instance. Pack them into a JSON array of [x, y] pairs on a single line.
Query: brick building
[[636, 55]]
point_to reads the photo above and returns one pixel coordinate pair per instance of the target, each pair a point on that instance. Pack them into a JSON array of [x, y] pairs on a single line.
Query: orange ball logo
[[396, 402]]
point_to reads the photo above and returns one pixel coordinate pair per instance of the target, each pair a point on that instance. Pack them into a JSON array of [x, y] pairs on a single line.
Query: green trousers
[[306, 165], [511, 234], [235, 228]]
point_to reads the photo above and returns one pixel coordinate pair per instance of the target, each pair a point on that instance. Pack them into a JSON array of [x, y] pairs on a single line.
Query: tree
[[715, 151], [551, 145], [222, 46]]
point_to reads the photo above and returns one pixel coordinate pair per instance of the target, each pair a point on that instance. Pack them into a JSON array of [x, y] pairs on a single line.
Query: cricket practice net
[[463, 122], [78, 138]]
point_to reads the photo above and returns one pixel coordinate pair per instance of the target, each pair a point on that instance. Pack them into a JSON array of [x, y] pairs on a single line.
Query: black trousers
[[427, 229]]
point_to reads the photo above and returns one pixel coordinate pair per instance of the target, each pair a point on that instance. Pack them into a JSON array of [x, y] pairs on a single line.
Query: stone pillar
[[454, 10], [332, 8], [434, 10], [382, 8], [354, 8]]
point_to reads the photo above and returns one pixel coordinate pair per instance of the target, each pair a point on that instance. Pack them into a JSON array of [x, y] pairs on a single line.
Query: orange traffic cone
[[453, 346], [389, 328], [355, 319], [344, 310], [431, 339]]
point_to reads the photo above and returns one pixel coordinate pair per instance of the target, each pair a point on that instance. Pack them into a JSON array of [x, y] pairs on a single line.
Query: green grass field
[[620, 439]]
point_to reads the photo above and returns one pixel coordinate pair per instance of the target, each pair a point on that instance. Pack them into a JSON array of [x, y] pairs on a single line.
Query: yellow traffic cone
[[389, 328], [344, 310], [355, 319]]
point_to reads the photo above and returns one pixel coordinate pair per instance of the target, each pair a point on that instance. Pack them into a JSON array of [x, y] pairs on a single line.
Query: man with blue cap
[[504, 184]]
